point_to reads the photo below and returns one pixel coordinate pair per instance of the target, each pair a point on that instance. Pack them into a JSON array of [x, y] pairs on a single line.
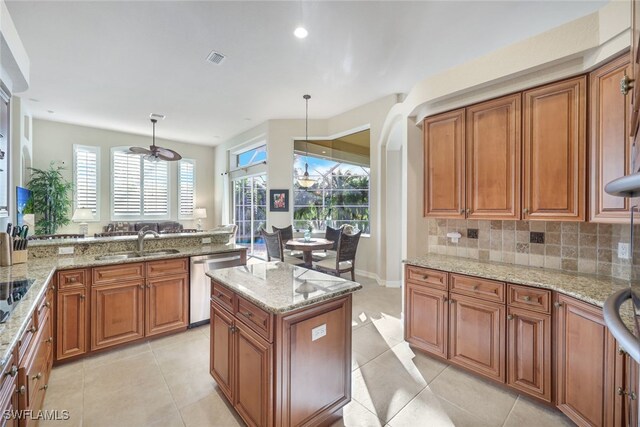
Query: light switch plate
[[318, 332], [623, 250], [65, 250], [206, 240]]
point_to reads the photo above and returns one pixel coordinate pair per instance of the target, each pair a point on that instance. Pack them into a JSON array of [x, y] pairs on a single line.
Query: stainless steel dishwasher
[[200, 292]]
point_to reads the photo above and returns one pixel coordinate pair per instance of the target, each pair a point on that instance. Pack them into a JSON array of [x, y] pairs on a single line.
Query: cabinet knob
[[73, 279], [148, 286], [626, 84], [37, 376], [621, 351], [474, 287], [12, 372], [141, 286], [232, 329], [82, 296], [620, 391], [49, 340], [44, 387], [557, 304], [21, 390], [32, 329], [632, 395], [47, 304], [525, 211], [247, 314], [220, 295], [461, 211], [510, 317], [444, 299], [451, 301], [467, 211], [425, 277], [526, 298]]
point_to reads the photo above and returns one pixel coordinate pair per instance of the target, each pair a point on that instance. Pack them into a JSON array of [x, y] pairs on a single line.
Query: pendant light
[[305, 180]]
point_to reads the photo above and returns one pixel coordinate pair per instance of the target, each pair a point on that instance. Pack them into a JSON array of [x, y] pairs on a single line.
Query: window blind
[[186, 188], [85, 178], [155, 188], [127, 176]]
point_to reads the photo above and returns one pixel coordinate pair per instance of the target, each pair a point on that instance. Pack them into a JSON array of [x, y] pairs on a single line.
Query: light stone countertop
[[110, 239], [584, 287], [41, 270], [279, 287]]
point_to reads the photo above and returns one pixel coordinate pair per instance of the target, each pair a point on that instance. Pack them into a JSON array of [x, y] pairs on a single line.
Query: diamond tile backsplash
[[570, 246]]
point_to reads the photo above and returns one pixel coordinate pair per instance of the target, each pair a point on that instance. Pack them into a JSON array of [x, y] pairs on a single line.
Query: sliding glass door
[[250, 212]]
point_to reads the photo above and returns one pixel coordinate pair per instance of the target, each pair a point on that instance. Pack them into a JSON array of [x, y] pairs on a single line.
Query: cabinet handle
[[626, 84], [148, 286], [72, 280], [44, 387], [620, 391], [37, 376], [82, 296], [22, 390], [621, 351], [526, 298], [220, 295], [475, 287], [49, 340], [467, 211], [232, 329], [425, 277], [557, 304], [32, 329], [247, 314], [47, 304], [632, 395], [12, 372], [141, 286], [445, 299], [510, 317], [461, 211]]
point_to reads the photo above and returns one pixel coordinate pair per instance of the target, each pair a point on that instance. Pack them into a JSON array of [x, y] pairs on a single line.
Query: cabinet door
[[585, 358], [444, 165], [634, 94], [529, 352], [609, 144], [117, 313], [426, 318], [493, 150], [71, 325], [221, 359], [554, 132], [633, 393], [477, 335], [167, 304], [252, 377]]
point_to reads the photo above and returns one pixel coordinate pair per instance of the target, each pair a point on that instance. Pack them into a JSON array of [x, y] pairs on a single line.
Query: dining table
[[307, 247]]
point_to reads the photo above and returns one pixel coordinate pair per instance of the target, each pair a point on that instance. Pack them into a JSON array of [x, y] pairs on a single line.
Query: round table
[[307, 248]]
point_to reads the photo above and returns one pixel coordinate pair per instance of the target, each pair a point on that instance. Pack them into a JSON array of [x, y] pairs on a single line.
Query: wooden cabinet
[[585, 356], [493, 157], [117, 313], [477, 335], [634, 93], [221, 358], [554, 150], [72, 313], [609, 142], [8, 390], [426, 318], [167, 304], [444, 152]]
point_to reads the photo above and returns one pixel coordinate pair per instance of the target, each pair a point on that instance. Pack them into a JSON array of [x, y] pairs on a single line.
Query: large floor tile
[[488, 402], [189, 386], [115, 355], [526, 413], [418, 365], [136, 372], [368, 343], [210, 411], [191, 355], [356, 415], [174, 339]]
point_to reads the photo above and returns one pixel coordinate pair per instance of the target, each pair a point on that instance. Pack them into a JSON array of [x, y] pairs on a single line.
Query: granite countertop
[[279, 287], [584, 287], [107, 239], [41, 271]]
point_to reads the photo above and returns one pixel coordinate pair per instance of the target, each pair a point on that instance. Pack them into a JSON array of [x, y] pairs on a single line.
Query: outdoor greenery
[[51, 197]]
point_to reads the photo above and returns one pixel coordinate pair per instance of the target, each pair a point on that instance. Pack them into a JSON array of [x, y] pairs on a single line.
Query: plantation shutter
[[156, 188], [85, 178], [186, 188], [127, 174]]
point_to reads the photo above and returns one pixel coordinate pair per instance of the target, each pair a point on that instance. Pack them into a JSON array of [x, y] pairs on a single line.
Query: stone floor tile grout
[[166, 384], [511, 410]]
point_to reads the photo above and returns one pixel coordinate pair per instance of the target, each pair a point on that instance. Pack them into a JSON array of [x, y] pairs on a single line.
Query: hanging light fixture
[[156, 153], [305, 180]]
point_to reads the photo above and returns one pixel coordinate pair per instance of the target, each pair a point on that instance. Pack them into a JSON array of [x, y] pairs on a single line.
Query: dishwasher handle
[[215, 260]]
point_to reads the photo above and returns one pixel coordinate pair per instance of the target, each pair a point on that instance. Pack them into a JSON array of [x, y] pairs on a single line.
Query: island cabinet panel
[[117, 313], [221, 358], [72, 307], [585, 358], [554, 160], [167, 304], [253, 381], [477, 335], [609, 143], [426, 318], [444, 165], [493, 157], [324, 361], [9, 390], [529, 352]]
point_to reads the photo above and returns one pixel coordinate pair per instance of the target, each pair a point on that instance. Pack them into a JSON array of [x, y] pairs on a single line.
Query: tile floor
[[166, 383]]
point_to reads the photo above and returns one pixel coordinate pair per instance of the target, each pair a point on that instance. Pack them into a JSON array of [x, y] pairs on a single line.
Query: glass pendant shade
[[305, 180]]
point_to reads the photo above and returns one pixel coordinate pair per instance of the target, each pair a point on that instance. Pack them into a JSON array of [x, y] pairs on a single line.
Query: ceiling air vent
[[215, 57]]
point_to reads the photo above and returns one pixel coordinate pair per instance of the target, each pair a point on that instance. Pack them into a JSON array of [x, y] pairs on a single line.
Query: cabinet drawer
[[26, 338], [72, 279], [529, 298], [255, 317], [167, 266], [478, 288], [118, 273], [432, 278], [44, 307], [223, 296], [8, 374]]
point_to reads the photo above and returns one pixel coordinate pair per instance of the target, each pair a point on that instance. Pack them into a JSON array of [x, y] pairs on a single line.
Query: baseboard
[[381, 282]]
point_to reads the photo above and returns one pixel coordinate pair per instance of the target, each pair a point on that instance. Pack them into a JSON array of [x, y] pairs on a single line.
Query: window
[[250, 212], [140, 187], [186, 188], [339, 196], [86, 161], [251, 157]]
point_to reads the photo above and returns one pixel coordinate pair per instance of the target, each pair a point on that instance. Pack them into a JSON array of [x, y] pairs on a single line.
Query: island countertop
[[278, 287]]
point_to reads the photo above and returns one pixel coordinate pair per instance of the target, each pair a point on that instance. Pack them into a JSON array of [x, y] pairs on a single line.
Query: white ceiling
[[110, 64]]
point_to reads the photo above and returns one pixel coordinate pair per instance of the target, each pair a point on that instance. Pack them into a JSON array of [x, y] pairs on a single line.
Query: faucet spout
[[141, 235]]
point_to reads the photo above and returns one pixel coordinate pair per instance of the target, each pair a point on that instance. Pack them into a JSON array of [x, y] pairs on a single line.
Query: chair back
[[286, 233], [273, 242], [347, 246], [333, 234]]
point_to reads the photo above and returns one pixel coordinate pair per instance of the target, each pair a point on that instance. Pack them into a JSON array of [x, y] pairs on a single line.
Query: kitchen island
[[281, 343]]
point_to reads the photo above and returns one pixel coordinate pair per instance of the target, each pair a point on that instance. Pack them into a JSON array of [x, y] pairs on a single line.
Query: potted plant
[[51, 199]]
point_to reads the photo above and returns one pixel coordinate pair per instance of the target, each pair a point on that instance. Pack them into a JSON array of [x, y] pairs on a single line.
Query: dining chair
[[286, 234], [275, 247], [345, 259]]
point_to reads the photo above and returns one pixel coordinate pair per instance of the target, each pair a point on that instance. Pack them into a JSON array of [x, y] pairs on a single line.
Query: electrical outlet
[[536, 237], [206, 240], [472, 233], [319, 332], [623, 250], [65, 250]]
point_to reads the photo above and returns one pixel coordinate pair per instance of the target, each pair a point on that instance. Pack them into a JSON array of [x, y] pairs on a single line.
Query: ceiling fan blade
[[139, 150], [167, 154]]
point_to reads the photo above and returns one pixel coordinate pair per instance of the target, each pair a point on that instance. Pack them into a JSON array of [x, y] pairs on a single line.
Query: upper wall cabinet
[[554, 126], [493, 154], [609, 142], [444, 165]]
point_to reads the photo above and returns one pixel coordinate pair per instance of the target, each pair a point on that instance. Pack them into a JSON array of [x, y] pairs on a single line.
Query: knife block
[[19, 257]]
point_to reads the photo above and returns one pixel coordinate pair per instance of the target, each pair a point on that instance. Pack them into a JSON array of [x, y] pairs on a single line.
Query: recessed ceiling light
[[300, 32], [324, 152], [34, 100], [50, 111], [247, 119]]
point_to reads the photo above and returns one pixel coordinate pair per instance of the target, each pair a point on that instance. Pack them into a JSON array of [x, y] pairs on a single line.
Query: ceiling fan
[[155, 153]]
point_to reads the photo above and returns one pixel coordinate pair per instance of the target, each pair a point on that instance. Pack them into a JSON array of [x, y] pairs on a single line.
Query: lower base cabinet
[[428, 326]]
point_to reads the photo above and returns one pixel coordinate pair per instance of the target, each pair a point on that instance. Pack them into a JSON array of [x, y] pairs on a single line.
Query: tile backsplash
[[571, 246]]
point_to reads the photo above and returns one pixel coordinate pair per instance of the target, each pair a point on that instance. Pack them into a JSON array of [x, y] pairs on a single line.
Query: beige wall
[[53, 141]]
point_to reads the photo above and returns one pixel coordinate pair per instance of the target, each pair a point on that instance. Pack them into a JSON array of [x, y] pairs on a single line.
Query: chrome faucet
[[141, 235]]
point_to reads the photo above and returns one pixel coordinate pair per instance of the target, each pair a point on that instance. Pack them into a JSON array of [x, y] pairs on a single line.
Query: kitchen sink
[[116, 257], [160, 252]]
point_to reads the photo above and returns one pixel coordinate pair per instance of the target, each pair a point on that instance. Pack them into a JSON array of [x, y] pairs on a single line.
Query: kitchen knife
[[9, 228]]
